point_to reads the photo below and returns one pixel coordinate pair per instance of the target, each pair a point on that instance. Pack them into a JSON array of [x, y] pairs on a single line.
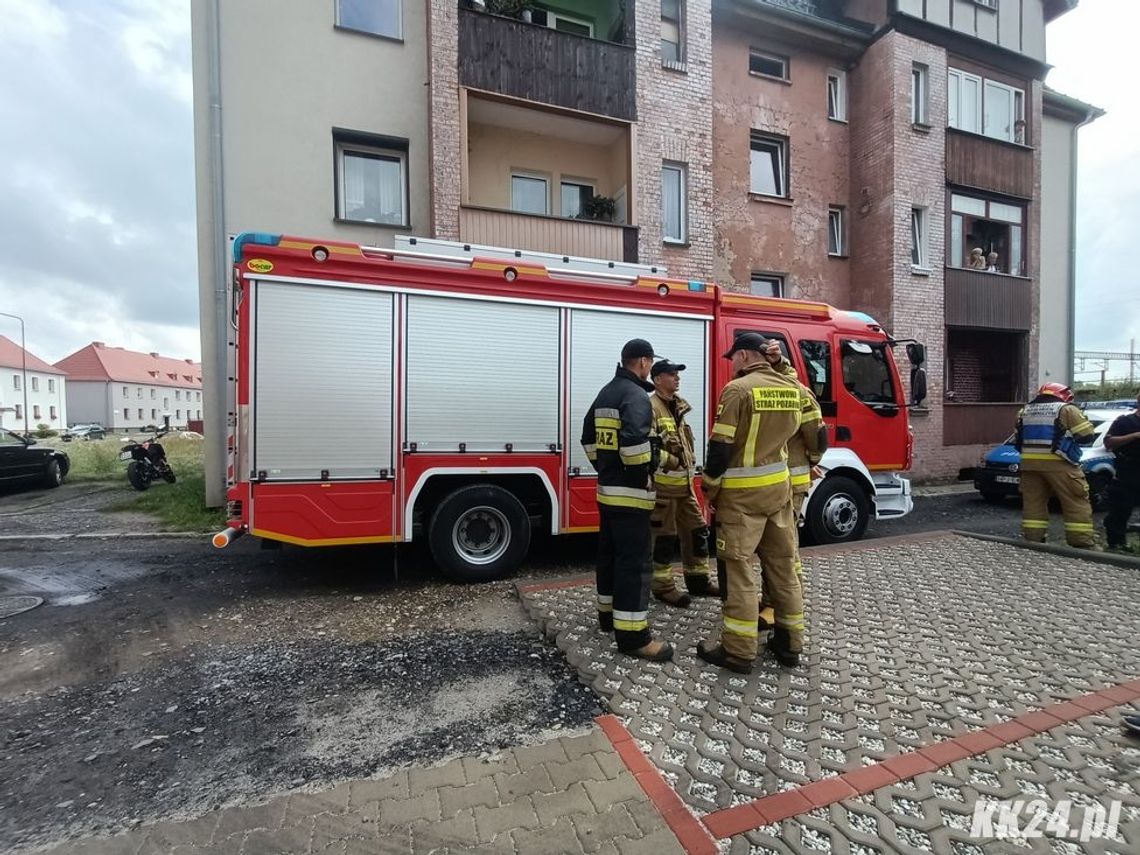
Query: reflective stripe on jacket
[[616, 434], [675, 474]]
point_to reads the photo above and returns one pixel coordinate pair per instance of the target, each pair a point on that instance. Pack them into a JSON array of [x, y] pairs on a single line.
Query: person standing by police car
[[618, 438], [1051, 431], [1123, 440]]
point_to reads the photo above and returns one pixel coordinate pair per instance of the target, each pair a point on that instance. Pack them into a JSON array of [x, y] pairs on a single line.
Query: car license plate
[[124, 455], [1007, 479]]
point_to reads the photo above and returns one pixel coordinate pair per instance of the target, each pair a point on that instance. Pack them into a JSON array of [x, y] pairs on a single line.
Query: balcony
[[546, 180], [976, 161], [983, 300], [977, 424], [548, 65]]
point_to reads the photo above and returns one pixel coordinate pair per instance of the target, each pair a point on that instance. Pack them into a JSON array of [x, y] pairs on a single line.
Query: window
[[372, 184], [837, 95], [836, 232], [673, 212], [918, 238], [769, 165], [919, 94], [199, 396], [52, 413], [16, 382], [126, 415], [152, 394], [985, 107], [672, 45], [140, 414], [986, 235], [178, 414], [867, 374], [51, 384], [530, 194], [178, 394], [568, 24], [197, 414], [767, 64], [138, 392], [817, 361], [19, 412], [379, 17], [987, 4], [35, 384], [575, 195], [166, 403], [36, 411], [125, 391], [767, 285], [153, 414]]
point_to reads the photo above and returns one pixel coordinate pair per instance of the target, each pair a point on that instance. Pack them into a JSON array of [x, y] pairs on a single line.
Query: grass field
[[179, 506]]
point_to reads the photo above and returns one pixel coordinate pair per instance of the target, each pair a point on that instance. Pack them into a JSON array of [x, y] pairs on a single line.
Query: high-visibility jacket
[[616, 433], [674, 476], [1050, 434], [747, 462], [807, 445]]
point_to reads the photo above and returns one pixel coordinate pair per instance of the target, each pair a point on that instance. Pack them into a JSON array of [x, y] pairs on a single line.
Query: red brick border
[[694, 838], [558, 583]]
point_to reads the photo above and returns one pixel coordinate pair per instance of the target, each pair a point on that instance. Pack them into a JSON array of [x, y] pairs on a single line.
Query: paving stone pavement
[[569, 795], [908, 644]]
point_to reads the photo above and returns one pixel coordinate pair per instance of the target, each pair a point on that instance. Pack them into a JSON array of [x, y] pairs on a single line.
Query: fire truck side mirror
[[917, 386], [916, 353]]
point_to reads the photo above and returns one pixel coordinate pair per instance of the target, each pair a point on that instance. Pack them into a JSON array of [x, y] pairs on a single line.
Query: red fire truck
[[437, 391]]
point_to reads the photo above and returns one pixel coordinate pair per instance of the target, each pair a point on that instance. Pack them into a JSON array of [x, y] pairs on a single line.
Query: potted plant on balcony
[[599, 208], [510, 8]]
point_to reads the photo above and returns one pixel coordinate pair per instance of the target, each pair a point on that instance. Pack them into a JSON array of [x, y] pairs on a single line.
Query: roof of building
[[1070, 108], [97, 361], [829, 11], [12, 356]]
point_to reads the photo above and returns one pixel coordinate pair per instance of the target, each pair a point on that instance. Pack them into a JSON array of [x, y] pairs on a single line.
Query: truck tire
[[838, 512], [479, 533]]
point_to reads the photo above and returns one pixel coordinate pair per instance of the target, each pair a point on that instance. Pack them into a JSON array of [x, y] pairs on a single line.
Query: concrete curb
[[105, 535], [1059, 550], [935, 490]]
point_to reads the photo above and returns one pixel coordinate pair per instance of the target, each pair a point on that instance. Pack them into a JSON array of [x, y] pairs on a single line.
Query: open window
[[986, 235]]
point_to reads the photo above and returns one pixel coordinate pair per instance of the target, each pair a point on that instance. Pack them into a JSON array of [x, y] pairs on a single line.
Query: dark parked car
[[23, 463], [84, 432]]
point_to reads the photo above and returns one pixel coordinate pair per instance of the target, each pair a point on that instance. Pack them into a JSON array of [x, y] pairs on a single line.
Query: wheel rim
[[481, 535], [840, 515]]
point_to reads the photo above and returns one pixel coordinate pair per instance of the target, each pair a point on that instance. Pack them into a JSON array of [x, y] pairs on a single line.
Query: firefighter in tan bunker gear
[[1050, 433], [747, 483], [677, 515], [805, 449]]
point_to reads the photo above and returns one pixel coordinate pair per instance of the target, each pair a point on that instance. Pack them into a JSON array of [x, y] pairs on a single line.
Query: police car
[[997, 476]]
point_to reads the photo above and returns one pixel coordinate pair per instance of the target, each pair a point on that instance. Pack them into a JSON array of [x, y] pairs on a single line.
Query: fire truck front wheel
[[479, 533], [838, 512]]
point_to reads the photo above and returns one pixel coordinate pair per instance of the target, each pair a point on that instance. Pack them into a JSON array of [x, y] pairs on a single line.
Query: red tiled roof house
[[43, 390]]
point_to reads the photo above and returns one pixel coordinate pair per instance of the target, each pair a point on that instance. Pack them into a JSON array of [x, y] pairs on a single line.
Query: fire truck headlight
[[510, 274], [320, 253], [663, 290]]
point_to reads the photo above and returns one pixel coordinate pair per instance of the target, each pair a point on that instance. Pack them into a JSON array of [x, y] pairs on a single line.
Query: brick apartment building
[[853, 151]]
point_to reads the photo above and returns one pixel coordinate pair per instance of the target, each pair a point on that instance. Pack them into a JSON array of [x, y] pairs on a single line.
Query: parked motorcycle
[[147, 462]]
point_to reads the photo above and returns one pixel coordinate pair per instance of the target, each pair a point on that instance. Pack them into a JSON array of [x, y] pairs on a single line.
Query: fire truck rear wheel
[[479, 533], [838, 512]]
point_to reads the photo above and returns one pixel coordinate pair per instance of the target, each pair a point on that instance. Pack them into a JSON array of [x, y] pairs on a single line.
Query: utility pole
[[24, 359]]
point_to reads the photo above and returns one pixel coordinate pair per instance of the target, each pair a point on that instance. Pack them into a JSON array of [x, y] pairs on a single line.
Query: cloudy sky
[[97, 226]]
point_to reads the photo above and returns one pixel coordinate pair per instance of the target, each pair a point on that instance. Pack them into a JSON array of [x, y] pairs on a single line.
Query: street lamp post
[[24, 358]]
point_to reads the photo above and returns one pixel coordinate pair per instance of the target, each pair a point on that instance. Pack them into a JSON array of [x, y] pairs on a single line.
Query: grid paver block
[[420, 780], [595, 829], [519, 814], [455, 799], [559, 839]]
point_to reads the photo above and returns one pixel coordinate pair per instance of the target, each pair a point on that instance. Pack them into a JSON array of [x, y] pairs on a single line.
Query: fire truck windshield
[[867, 373]]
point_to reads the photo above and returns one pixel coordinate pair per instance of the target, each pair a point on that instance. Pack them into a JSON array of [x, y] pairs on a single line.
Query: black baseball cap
[[636, 348], [747, 341], [665, 367]]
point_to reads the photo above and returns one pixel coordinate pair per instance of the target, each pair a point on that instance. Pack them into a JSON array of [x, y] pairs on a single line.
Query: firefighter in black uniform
[[617, 435]]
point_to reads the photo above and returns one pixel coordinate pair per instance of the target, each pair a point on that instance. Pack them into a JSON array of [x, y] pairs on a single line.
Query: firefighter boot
[[697, 579], [715, 654], [664, 586], [779, 646], [606, 621], [702, 585]]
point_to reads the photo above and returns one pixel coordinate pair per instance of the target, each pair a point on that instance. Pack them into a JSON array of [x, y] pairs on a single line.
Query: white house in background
[[127, 390], [46, 392]]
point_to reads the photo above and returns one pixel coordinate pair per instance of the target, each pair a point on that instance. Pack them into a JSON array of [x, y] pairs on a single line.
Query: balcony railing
[[537, 233], [977, 424], [973, 160], [975, 298], [522, 60]]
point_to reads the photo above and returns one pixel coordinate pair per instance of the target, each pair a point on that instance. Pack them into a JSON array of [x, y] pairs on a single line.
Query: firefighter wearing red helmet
[[1051, 430]]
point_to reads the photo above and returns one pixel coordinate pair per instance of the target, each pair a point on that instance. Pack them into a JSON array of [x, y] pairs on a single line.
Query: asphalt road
[[162, 678]]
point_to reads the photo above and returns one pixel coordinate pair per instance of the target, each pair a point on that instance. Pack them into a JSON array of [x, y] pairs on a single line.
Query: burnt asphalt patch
[[223, 724]]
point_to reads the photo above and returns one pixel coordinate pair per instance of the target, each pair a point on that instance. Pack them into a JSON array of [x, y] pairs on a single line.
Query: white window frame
[[679, 22], [35, 383], [955, 79], [776, 279], [53, 412], [837, 230], [16, 382], [51, 384], [920, 94], [375, 153], [683, 190], [992, 5], [126, 392], [398, 35], [785, 64], [919, 238], [1016, 98], [839, 78], [36, 412], [759, 140], [552, 19], [530, 176], [574, 182]]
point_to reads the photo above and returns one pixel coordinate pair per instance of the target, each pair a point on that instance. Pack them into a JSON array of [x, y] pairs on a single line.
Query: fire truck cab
[[460, 375]]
